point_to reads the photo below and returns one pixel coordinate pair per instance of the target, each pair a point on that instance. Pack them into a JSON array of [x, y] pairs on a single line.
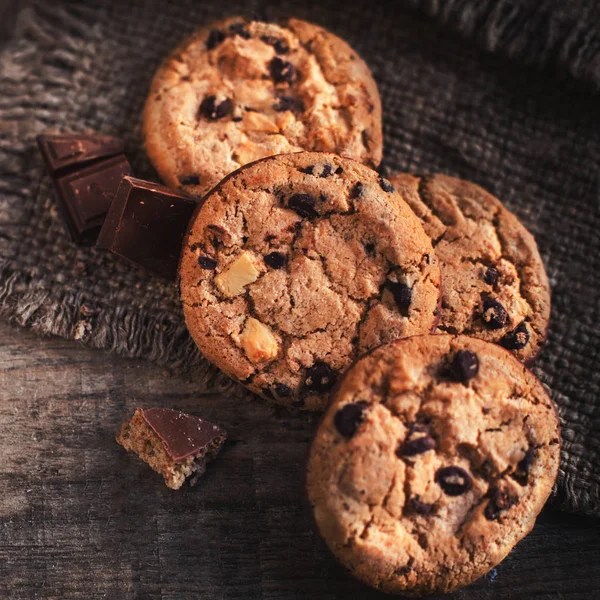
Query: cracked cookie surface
[[432, 461], [297, 264], [495, 283], [240, 90]]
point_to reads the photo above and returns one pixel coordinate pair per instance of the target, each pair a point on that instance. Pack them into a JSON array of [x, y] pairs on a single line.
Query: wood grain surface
[[81, 519]]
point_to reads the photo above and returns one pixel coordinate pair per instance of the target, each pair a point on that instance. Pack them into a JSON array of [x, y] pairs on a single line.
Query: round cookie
[[431, 462], [296, 264], [241, 90], [495, 284]]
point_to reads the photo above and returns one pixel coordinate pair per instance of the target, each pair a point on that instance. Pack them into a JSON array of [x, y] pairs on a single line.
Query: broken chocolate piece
[[304, 205], [62, 152], [402, 295], [84, 196], [215, 37], [174, 444], [146, 224]]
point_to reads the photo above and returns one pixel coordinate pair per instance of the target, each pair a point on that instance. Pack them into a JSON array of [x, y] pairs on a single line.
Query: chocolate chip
[[370, 249], [348, 419], [326, 171], [304, 205], [521, 475], [287, 103], [189, 179], [386, 186], [320, 377], [240, 29], [517, 338], [494, 315], [402, 295], [421, 508], [310, 170], [401, 571], [282, 71], [416, 446], [499, 502], [357, 190], [215, 37], [279, 44], [213, 110], [275, 260], [282, 390], [208, 263], [465, 366], [491, 276], [453, 480]]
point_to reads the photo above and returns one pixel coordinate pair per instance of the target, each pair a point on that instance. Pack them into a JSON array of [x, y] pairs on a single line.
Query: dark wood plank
[[82, 519]]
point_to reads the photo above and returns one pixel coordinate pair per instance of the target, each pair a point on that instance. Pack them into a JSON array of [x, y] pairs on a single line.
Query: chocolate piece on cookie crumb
[[174, 444]]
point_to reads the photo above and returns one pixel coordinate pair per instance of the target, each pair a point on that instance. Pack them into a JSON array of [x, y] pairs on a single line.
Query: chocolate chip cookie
[[495, 284], [296, 264], [432, 461], [241, 90]]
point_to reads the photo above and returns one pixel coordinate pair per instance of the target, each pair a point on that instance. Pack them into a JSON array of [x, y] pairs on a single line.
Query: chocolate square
[[146, 224]]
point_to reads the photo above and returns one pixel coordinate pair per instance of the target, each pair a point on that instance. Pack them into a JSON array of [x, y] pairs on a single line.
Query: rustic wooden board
[[79, 518]]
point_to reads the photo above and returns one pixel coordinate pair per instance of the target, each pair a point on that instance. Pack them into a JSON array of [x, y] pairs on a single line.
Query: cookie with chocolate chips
[[495, 284], [297, 264], [432, 461], [239, 90]]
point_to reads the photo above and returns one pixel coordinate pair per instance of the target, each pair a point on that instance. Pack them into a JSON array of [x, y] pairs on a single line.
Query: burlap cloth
[[503, 93]]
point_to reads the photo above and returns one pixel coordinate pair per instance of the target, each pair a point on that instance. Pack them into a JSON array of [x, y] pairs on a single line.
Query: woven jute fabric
[[502, 93]]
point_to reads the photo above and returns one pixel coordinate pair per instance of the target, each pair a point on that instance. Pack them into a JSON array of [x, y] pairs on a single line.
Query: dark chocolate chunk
[[521, 474], [491, 276], [146, 224], [304, 205], [240, 29], [416, 446], [420, 508], [517, 338], [282, 71], [325, 171], [357, 190], [402, 295], [453, 480], [208, 263], [386, 186], [279, 44], [499, 502], [348, 419], [215, 37], [465, 366], [84, 196], [310, 170], [182, 435], [213, 110], [494, 315], [275, 260], [320, 377], [189, 179], [287, 103], [67, 151]]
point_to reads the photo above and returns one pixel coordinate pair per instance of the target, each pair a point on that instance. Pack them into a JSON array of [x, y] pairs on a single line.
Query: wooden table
[[82, 519]]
